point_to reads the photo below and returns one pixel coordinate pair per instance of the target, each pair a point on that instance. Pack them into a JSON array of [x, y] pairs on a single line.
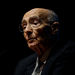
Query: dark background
[[13, 47]]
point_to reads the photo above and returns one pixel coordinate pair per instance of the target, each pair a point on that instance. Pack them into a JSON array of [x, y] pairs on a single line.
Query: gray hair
[[53, 16]]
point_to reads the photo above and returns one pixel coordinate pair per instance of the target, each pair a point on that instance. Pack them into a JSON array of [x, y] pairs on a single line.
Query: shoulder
[[28, 60], [63, 49], [66, 56], [64, 59], [69, 47], [67, 50], [24, 63]]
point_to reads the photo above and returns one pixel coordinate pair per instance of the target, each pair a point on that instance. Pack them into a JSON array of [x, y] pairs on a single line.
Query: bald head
[[37, 11], [42, 13]]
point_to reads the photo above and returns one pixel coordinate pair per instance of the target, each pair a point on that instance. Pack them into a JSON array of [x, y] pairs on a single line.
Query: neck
[[45, 55], [44, 51]]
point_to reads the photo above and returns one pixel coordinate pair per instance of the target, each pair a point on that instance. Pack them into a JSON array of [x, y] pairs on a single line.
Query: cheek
[[24, 35], [35, 33], [44, 32], [38, 31]]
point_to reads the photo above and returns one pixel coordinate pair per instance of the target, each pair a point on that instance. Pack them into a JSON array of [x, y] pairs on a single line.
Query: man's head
[[40, 26]]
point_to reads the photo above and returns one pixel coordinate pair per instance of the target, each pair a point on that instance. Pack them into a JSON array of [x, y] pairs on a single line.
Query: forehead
[[35, 13], [30, 15]]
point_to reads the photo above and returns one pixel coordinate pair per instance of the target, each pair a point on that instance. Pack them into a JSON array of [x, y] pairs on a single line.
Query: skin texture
[[38, 31]]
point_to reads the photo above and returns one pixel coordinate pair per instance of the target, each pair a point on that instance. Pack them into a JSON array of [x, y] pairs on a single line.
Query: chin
[[33, 44], [34, 47]]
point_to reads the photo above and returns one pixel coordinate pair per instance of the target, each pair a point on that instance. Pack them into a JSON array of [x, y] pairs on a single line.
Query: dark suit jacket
[[60, 62]]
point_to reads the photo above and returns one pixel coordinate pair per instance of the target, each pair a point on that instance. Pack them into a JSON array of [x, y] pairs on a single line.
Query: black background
[[13, 47]]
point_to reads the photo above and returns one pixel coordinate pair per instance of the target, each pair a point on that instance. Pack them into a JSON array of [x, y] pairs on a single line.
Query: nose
[[28, 30]]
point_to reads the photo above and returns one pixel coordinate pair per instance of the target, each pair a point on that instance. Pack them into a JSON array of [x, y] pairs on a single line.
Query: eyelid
[[23, 25], [36, 22], [24, 22], [33, 19]]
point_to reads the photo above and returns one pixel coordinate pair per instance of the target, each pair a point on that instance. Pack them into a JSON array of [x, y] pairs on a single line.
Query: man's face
[[36, 29]]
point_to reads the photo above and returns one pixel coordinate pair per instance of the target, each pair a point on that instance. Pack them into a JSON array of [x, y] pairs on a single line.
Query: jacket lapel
[[31, 67]]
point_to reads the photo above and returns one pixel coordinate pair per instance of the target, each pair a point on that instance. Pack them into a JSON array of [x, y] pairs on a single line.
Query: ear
[[55, 27]]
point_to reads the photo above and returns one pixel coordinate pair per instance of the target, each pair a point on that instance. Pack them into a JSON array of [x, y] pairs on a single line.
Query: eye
[[36, 22], [24, 25]]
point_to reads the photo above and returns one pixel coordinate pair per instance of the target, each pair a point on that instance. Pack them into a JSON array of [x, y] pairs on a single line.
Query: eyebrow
[[23, 21], [33, 17]]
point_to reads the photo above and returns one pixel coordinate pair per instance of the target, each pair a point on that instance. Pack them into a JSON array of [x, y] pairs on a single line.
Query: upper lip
[[31, 38]]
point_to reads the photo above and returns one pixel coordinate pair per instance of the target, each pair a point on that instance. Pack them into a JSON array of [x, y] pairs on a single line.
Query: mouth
[[31, 40]]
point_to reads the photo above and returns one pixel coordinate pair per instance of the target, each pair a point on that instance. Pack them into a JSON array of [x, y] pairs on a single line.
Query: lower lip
[[31, 40]]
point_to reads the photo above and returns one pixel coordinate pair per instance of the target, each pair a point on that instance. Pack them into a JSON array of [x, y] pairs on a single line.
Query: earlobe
[[55, 27]]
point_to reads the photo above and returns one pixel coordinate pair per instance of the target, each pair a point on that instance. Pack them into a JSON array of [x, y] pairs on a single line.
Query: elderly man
[[52, 57]]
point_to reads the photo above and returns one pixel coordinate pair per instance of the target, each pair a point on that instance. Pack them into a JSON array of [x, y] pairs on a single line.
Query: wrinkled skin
[[37, 30]]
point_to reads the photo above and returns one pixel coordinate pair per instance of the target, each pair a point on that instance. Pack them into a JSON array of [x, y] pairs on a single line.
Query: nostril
[[29, 33]]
